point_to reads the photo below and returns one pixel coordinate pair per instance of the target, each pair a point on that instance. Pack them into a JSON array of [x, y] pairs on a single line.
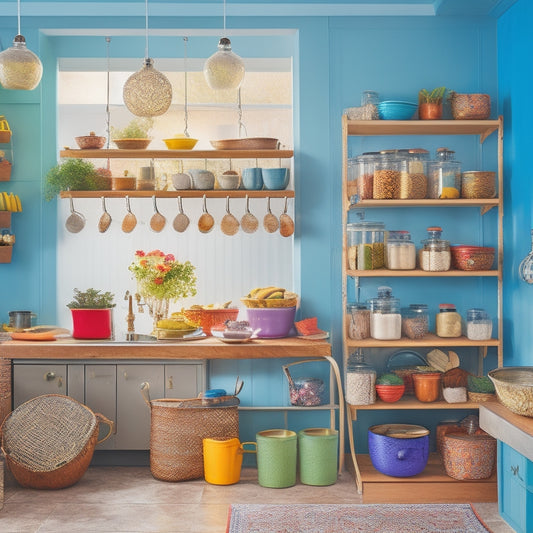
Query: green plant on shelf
[[481, 385], [92, 299], [431, 97], [138, 128]]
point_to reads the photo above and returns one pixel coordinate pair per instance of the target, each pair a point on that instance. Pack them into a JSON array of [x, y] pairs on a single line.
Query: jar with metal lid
[[364, 174], [415, 321], [444, 175], [401, 251], [478, 325], [413, 175], [385, 316], [365, 245], [387, 176], [448, 321], [360, 381], [435, 255], [359, 321]]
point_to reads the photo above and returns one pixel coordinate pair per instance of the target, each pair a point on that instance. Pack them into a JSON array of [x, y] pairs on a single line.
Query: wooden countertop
[[512, 429], [207, 348]]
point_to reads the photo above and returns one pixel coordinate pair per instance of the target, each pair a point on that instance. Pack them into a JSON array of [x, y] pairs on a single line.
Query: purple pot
[[274, 322], [403, 455]]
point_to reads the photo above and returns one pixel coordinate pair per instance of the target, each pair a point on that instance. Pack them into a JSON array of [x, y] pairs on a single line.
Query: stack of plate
[[396, 110]]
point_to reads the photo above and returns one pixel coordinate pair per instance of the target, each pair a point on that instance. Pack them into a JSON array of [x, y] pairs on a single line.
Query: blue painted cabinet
[[515, 488]]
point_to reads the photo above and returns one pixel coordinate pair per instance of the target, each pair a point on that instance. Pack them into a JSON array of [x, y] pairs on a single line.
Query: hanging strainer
[[526, 266]]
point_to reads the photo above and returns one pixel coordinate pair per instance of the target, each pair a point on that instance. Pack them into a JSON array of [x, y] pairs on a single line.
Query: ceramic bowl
[[396, 110], [390, 393], [229, 181], [180, 143], [202, 179], [275, 178], [181, 181], [273, 322], [90, 142], [132, 144]]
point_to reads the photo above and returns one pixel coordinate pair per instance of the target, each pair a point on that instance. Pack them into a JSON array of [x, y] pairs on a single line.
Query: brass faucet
[[130, 319]]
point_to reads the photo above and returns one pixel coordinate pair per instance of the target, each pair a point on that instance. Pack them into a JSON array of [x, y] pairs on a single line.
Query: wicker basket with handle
[[49, 441], [178, 428]]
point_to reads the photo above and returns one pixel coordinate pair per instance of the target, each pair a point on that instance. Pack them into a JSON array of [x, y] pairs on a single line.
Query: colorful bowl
[[90, 142], [180, 143], [396, 110], [390, 393], [274, 323], [207, 318]]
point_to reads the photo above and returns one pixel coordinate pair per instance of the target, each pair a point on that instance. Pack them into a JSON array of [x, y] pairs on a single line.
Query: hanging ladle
[[105, 218], [158, 221], [270, 222], [526, 266], [130, 220], [76, 221], [206, 221], [249, 221], [286, 224], [181, 220], [229, 223]]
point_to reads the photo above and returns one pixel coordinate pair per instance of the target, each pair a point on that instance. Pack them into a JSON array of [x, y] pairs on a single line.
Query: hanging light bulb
[[20, 68], [147, 93], [224, 69]]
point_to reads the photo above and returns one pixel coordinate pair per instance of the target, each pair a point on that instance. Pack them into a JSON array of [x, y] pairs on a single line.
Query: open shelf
[[418, 273], [212, 193], [429, 340], [485, 203]]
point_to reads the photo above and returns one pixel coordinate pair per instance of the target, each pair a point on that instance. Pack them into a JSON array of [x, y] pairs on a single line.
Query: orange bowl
[[208, 318], [390, 393]]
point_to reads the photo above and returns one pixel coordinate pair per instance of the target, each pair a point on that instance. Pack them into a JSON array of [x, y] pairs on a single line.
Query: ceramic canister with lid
[[448, 321], [385, 316], [435, 255]]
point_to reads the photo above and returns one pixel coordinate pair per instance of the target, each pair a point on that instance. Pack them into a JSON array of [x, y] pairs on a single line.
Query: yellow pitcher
[[223, 460]]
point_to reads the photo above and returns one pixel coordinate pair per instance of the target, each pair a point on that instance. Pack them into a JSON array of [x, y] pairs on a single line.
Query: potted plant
[[430, 103], [75, 175], [92, 314], [134, 135]]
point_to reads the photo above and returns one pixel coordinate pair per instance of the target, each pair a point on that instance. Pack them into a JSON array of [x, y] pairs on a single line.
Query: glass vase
[[158, 308]]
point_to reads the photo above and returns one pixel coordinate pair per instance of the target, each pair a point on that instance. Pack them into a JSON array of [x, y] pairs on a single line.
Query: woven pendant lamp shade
[[147, 93], [224, 69]]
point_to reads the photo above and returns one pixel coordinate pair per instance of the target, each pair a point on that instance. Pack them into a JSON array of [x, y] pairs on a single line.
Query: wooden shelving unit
[[212, 193]]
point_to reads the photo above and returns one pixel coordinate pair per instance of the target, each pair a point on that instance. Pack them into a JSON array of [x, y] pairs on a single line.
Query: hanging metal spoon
[[130, 220], [229, 223], [76, 221], [249, 222], [286, 224], [181, 220], [158, 221], [105, 218], [206, 221], [270, 222]]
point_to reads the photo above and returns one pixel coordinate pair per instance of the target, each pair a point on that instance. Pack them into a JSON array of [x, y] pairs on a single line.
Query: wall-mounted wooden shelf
[[214, 193], [176, 154], [418, 273], [429, 340]]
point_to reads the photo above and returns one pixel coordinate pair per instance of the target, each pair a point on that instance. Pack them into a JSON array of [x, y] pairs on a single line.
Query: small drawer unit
[[515, 488]]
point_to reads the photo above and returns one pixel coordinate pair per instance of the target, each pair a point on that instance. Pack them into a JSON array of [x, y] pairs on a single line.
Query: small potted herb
[[92, 314], [134, 135], [480, 389], [430, 103]]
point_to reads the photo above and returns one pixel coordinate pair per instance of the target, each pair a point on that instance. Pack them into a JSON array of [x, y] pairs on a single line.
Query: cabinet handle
[[49, 376], [170, 383], [515, 471], [59, 382], [125, 375]]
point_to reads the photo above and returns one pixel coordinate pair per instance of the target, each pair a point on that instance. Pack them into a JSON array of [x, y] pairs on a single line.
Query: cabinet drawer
[[30, 381]]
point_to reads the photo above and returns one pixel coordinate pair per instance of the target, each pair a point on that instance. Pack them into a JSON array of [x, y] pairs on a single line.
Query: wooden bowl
[[132, 144], [90, 142], [123, 184]]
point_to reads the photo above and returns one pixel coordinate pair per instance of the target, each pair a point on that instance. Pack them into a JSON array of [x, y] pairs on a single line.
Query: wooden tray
[[251, 143]]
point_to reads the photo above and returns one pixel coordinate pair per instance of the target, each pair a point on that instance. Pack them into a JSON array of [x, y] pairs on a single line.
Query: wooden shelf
[[176, 154], [213, 193], [484, 203], [430, 340], [418, 273]]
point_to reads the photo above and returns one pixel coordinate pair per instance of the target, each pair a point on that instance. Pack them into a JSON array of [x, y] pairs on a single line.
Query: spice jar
[[365, 245], [435, 256], [364, 172], [448, 321], [401, 252], [387, 177], [444, 175], [415, 321], [359, 325], [360, 381], [413, 174], [385, 316], [478, 325]]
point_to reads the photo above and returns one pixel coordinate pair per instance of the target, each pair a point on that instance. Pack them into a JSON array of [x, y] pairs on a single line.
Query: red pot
[[92, 323], [390, 393]]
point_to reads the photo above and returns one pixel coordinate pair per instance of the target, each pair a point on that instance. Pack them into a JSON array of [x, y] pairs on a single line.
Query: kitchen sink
[[139, 337]]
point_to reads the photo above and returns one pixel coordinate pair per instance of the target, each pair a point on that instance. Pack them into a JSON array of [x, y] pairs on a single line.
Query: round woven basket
[[49, 441], [481, 397]]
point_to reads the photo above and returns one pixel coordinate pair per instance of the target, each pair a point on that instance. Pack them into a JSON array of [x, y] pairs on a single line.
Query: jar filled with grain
[[351, 180], [448, 321], [365, 245], [413, 175], [415, 321], [478, 325], [435, 255], [387, 176], [360, 381], [385, 316], [364, 171], [400, 251], [478, 184], [359, 325], [444, 175]]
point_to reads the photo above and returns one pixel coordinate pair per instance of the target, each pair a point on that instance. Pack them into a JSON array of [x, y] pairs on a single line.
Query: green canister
[[317, 456]]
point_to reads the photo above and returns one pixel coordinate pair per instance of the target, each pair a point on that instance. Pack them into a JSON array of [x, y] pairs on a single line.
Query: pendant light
[[20, 68], [147, 93], [224, 69]]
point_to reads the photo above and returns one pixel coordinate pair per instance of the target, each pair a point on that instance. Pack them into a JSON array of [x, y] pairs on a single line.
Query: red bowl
[[390, 393]]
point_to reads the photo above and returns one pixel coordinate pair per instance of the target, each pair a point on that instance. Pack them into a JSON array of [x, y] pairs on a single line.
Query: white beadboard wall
[[226, 267]]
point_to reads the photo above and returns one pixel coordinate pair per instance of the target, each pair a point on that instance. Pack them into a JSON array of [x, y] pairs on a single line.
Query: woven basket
[[481, 397], [178, 428], [48, 442]]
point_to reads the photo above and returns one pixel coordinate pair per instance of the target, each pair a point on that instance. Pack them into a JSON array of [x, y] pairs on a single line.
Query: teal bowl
[[396, 110], [275, 179]]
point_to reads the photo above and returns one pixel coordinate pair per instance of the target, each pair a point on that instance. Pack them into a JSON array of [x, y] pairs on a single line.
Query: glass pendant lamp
[[224, 69], [147, 93], [20, 68]]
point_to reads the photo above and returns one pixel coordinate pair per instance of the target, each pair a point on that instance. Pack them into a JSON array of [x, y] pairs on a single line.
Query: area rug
[[347, 518]]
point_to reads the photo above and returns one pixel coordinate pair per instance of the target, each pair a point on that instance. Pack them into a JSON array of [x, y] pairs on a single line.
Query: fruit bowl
[[207, 318], [263, 303]]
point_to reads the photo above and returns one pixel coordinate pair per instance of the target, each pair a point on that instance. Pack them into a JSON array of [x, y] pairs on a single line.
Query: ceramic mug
[[275, 178], [252, 178]]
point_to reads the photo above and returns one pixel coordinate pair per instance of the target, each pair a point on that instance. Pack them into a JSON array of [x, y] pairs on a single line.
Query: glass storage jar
[[387, 177], [444, 175], [385, 316], [365, 246], [364, 172], [351, 180], [413, 175], [400, 251], [435, 255], [478, 325], [448, 321], [360, 381], [415, 321], [359, 321]]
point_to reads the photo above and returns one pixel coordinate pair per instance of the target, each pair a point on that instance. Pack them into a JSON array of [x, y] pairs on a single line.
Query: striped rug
[[349, 518]]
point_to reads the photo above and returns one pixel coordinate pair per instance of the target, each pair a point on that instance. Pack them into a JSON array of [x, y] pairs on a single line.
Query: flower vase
[[158, 308]]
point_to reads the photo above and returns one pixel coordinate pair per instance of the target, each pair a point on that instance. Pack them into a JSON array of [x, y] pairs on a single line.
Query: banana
[[19, 203], [267, 291], [7, 201], [253, 292], [13, 202], [278, 295], [2, 203]]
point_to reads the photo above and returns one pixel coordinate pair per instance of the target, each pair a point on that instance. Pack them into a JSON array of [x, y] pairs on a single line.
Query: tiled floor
[[129, 499]]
